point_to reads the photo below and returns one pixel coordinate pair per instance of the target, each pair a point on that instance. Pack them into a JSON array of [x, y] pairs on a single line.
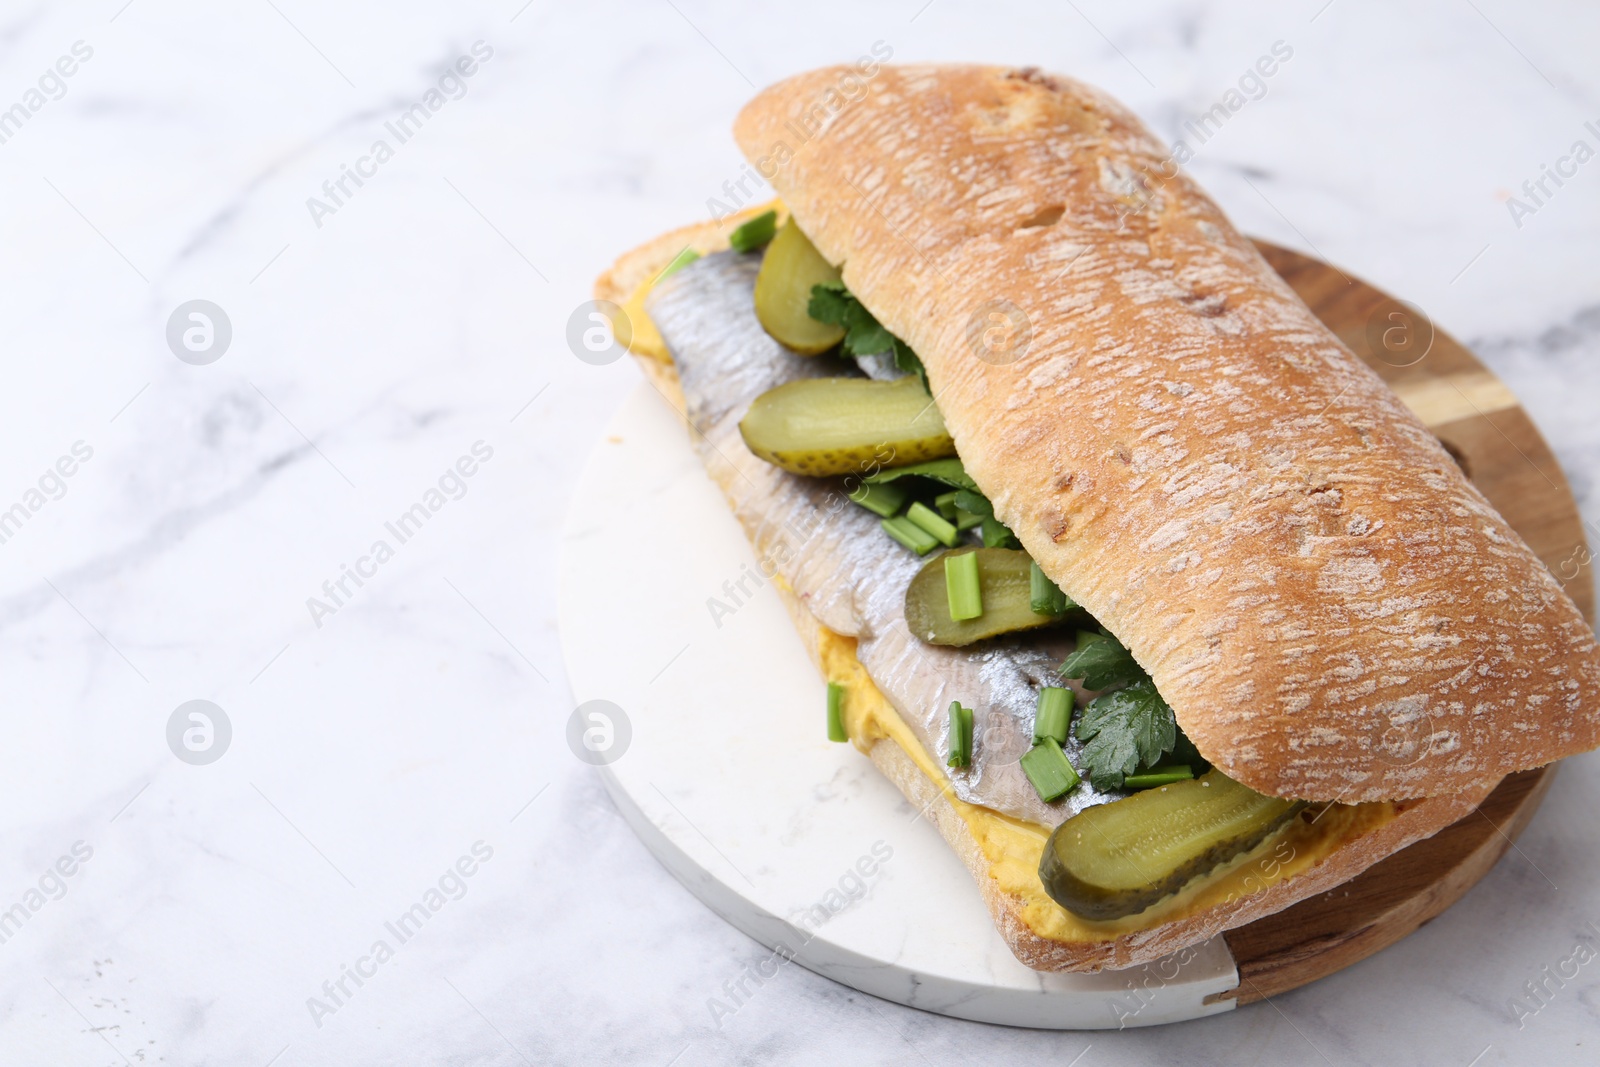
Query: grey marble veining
[[375, 744]]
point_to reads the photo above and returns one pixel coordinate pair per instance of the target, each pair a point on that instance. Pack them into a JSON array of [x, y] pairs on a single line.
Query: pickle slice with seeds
[[1117, 859], [821, 426], [791, 267]]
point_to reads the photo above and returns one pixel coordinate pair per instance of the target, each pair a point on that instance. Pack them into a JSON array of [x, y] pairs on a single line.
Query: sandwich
[[1117, 562]]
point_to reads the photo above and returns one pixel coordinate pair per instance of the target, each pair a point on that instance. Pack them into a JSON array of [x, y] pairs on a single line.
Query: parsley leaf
[[975, 502], [864, 335], [994, 532], [1130, 727], [1125, 730], [835, 305], [1101, 662], [909, 361], [831, 304], [997, 534], [948, 471]]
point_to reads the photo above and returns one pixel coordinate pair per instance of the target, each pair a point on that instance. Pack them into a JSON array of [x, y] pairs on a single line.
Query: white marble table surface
[[376, 745]]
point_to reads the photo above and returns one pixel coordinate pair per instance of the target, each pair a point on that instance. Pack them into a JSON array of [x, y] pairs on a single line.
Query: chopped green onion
[[1047, 768], [960, 735], [1163, 775], [1044, 596], [1053, 714], [836, 731], [679, 261], [946, 504], [881, 500], [753, 233], [961, 586], [966, 520], [910, 534], [929, 520], [997, 535]]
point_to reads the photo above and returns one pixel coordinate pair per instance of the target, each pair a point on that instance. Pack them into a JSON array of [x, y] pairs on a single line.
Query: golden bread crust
[[1333, 611]]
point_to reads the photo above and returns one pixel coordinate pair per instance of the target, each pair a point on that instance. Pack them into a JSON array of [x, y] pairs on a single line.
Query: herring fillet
[[838, 561]]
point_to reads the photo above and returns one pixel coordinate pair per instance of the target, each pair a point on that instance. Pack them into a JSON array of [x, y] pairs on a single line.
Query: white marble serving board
[[727, 775]]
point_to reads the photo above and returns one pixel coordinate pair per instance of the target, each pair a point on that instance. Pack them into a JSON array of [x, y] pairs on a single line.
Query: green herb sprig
[[864, 335], [1129, 727]]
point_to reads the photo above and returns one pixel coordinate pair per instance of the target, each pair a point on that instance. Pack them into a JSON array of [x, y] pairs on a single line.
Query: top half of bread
[[1332, 610]]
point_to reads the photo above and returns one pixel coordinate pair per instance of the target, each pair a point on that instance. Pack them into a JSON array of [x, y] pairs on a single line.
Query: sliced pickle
[[790, 268], [1003, 579], [1117, 859], [821, 426]]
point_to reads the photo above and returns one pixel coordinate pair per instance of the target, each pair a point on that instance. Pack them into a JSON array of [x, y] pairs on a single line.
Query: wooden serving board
[[1495, 442]]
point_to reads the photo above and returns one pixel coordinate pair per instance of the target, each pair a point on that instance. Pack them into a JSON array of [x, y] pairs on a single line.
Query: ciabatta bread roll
[[1330, 607]]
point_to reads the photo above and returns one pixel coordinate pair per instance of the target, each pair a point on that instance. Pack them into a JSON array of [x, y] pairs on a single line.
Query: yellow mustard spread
[[1013, 846]]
